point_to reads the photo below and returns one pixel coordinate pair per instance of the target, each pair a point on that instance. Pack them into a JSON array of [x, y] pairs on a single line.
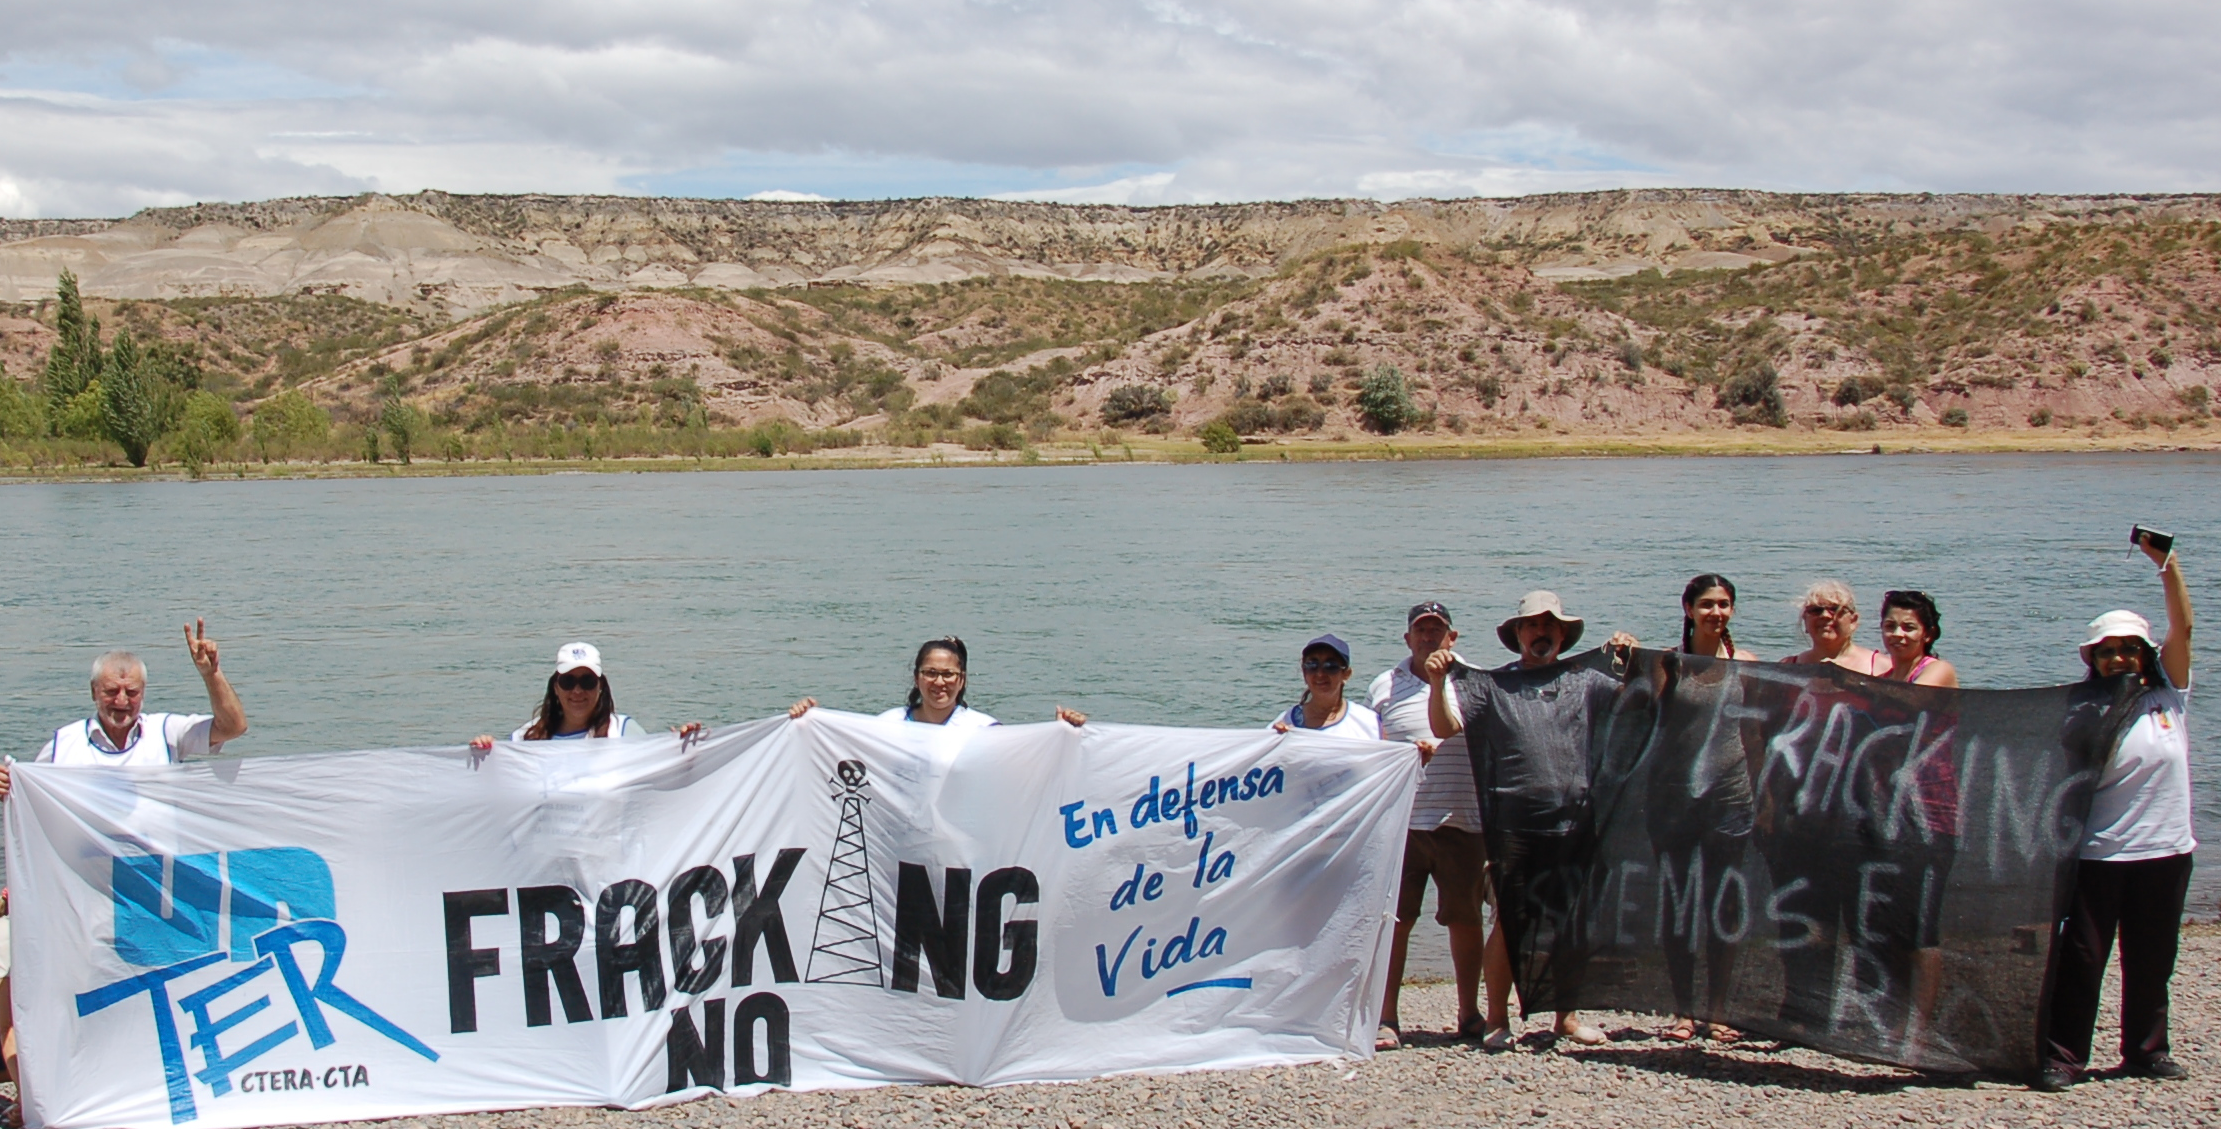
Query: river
[[362, 613]]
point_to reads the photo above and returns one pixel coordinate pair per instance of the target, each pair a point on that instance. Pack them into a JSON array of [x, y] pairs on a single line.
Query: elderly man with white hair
[[118, 733]]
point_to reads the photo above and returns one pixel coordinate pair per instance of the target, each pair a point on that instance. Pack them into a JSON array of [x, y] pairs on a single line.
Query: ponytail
[[952, 645], [1696, 587]]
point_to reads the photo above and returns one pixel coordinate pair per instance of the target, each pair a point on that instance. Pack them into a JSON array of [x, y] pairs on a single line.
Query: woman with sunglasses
[[1910, 627], [1326, 667], [1831, 619], [2135, 859], [937, 681], [579, 704]]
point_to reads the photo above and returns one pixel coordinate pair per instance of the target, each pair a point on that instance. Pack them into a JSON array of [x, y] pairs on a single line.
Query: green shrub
[[1132, 402], [1904, 396], [1754, 396], [1856, 390], [206, 430], [2041, 417], [1954, 417], [288, 421], [1220, 438], [22, 415], [994, 437], [1385, 401]]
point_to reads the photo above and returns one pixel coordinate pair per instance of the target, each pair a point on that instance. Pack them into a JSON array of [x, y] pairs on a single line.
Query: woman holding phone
[[2135, 859]]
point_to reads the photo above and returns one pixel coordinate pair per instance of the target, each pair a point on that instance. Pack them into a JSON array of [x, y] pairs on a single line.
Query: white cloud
[[786, 196], [126, 102]]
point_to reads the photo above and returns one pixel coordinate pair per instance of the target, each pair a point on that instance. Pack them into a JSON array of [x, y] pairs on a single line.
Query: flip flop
[[1498, 1041], [1722, 1033], [1387, 1037], [1682, 1031], [1474, 1027]]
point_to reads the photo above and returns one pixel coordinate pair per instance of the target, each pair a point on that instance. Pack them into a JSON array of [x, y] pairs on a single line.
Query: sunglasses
[[579, 680], [1323, 666], [1835, 611]]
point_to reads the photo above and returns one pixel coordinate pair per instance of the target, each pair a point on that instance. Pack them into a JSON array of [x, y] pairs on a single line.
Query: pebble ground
[[1436, 1080]]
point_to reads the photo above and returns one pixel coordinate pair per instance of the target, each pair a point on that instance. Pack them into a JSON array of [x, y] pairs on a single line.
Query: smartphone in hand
[[2160, 542]]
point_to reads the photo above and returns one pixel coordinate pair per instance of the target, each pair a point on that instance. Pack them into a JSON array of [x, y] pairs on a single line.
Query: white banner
[[831, 902]]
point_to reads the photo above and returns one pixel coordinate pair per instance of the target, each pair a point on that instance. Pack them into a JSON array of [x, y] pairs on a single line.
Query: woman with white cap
[[579, 704], [1323, 708], [2135, 859]]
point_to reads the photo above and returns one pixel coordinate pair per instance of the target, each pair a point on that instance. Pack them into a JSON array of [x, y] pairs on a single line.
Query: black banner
[[1861, 866]]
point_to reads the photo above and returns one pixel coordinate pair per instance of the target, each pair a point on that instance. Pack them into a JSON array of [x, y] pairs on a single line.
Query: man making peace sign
[[119, 734]]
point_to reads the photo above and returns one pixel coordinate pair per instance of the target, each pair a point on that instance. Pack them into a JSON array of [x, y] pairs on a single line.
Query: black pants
[[2143, 900]]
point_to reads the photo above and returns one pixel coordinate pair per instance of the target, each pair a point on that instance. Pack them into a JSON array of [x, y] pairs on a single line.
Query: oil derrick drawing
[[845, 948]]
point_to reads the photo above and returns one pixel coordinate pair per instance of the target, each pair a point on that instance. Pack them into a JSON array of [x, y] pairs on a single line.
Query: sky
[[108, 106]]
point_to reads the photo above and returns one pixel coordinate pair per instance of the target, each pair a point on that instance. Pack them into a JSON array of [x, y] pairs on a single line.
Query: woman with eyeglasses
[[2135, 860], [579, 704], [1831, 619], [1326, 667], [1910, 627], [937, 681]]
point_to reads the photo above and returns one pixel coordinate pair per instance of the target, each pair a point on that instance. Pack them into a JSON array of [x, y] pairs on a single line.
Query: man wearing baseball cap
[[1526, 723], [1443, 839]]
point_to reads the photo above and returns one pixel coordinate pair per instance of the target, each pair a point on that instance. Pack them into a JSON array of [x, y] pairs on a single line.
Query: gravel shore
[[1436, 1081]]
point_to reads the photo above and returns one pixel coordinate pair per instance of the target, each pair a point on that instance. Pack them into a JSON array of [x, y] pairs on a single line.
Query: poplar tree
[[75, 359], [128, 412]]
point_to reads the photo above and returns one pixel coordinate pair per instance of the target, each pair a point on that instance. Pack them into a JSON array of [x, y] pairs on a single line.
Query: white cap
[[2118, 625], [571, 656]]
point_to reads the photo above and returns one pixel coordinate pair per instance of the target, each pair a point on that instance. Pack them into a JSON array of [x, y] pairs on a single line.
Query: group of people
[[2135, 858]]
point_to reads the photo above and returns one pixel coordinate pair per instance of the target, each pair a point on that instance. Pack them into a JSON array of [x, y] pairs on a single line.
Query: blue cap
[[1332, 643]]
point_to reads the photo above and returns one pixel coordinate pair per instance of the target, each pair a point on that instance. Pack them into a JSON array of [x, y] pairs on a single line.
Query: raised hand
[[202, 647], [1438, 665]]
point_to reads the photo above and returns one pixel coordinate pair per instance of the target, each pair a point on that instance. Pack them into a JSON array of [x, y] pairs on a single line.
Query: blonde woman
[[1830, 615]]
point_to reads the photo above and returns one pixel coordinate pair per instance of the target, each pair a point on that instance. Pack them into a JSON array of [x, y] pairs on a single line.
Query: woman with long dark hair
[[2135, 859], [1699, 813], [579, 704], [1911, 624], [938, 678]]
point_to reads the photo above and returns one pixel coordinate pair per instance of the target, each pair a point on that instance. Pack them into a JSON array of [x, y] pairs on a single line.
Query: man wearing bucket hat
[[2135, 860], [1525, 722]]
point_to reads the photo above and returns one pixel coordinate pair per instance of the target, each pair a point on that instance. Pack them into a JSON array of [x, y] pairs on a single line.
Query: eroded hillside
[[1612, 313]]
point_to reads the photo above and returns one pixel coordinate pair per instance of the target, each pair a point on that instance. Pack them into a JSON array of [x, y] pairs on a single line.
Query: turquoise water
[[367, 613]]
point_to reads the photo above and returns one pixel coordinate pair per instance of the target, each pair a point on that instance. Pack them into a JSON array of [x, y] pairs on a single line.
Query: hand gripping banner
[[835, 901], [1865, 867]]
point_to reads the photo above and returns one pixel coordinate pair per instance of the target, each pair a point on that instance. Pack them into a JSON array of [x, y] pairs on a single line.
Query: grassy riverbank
[[1148, 449]]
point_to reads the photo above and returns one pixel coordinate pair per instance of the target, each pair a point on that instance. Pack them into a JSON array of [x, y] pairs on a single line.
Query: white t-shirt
[[2141, 809], [1356, 721], [1446, 797], [965, 717], [620, 725], [159, 738]]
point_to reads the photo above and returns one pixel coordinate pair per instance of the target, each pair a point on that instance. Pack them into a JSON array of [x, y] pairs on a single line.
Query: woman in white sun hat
[[579, 704], [2135, 858]]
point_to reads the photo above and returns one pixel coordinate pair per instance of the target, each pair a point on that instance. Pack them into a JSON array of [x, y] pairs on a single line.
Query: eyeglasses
[[579, 680], [1323, 666], [940, 675], [1834, 611]]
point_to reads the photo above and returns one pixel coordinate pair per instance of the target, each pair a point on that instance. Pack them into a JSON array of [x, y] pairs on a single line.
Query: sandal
[[1498, 1040], [1474, 1027], [1722, 1033], [1387, 1037], [1682, 1030]]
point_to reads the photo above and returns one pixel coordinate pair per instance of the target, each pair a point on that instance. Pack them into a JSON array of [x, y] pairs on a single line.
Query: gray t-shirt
[[1529, 735]]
